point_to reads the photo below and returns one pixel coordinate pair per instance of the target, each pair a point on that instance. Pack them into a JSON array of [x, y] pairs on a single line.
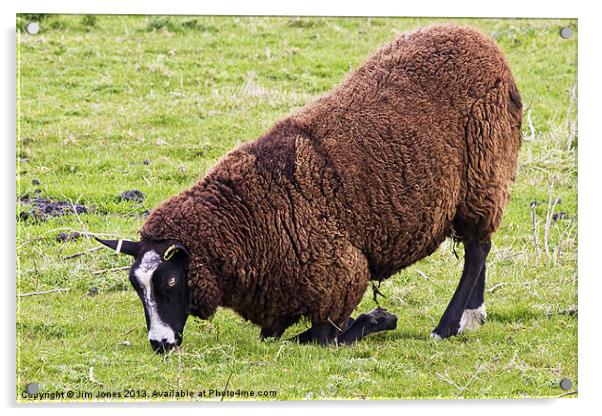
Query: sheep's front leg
[[271, 333], [368, 323], [474, 268], [322, 333], [355, 329], [277, 331]]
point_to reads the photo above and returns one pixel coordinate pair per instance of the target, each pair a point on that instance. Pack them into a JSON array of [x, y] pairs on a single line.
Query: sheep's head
[[158, 275]]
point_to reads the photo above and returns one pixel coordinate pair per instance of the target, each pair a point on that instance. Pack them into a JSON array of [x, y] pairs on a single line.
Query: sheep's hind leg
[[368, 323], [474, 262], [474, 315]]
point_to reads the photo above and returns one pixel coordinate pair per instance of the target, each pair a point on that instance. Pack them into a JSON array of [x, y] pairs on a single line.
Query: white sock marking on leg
[[472, 319]]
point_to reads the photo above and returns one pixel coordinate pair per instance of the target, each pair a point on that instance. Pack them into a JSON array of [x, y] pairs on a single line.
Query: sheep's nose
[[161, 347]]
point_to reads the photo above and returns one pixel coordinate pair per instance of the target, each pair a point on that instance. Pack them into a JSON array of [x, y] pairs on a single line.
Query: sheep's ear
[[176, 248], [121, 246]]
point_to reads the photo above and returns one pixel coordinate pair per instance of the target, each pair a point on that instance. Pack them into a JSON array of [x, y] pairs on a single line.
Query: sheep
[[419, 144]]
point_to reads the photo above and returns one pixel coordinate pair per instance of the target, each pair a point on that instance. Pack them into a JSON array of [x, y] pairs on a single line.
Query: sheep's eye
[[171, 282]]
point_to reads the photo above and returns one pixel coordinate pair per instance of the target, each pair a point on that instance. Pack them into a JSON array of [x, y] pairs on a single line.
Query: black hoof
[[368, 323], [445, 332], [382, 320]]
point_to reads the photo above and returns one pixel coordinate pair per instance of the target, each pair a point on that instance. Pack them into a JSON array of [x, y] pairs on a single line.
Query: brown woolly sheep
[[418, 144]]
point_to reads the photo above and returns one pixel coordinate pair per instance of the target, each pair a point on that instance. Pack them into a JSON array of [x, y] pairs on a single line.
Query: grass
[[99, 96]]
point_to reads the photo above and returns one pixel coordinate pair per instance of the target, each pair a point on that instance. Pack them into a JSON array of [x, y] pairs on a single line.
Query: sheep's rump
[[418, 144]]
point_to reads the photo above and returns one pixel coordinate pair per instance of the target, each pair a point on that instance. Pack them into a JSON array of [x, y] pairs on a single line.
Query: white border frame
[[588, 196]]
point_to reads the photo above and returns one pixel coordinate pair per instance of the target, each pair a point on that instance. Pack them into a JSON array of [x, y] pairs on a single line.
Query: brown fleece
[[418, 144]]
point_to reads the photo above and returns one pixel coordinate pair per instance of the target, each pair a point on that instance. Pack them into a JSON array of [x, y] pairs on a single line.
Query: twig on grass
[[333, 324], [460, 389], [112, 269], [570, 124], [74, 207], [30, 241], [92, 378], [509, 256], [535, 231], [44, 292], [473, 378], [447, 379], [68, 229], [423, 275], [549, 215], [226, 386], [81, 253], [129, 331], [495, 287], [570, 311], [280, 350], [531, 127], [568, 393], [562, 238], [35, 267]]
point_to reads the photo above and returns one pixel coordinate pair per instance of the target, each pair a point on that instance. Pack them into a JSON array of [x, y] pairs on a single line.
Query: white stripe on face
[[158, 331]]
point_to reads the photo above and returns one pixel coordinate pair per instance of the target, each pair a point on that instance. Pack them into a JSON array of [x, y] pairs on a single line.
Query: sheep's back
[[396, 131]]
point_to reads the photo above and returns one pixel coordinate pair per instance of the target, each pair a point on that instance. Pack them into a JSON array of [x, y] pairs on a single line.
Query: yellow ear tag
[[171, 250]]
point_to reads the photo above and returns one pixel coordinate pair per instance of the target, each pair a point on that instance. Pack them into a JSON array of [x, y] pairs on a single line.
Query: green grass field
[[112, 103]]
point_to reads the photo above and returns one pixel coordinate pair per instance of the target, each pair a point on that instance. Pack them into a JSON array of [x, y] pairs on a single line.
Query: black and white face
[[158, 275], [161, 286]]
